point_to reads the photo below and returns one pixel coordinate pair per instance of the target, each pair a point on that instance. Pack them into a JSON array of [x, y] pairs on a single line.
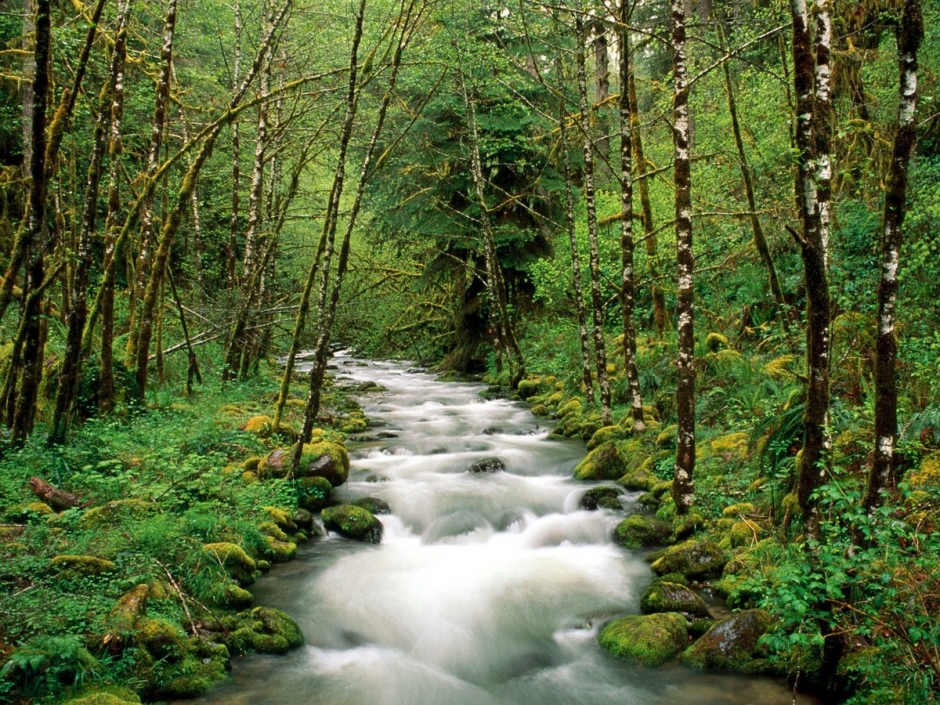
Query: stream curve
[[488, 588]]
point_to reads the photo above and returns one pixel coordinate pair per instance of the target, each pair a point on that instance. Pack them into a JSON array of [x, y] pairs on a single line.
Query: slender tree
[[910, 35], [683, 486]]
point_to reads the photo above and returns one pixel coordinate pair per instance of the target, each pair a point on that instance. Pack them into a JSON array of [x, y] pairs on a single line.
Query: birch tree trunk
[[232, 246], [683, 486], [597, 308], [627, 287], [882, 476]]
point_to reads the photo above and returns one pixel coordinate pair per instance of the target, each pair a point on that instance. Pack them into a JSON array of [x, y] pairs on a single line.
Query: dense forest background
[[190, 191]]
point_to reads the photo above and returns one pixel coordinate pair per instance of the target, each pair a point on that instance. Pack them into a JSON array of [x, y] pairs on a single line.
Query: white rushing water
[[487, 588]]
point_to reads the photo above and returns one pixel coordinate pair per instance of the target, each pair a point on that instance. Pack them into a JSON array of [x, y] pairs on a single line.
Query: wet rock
[[697, 560], [238, 564], [650, 639], [376, 478], [369, 386], [600, 497], [353, 522], [279, 551], [602, 463], [732, 644], [605, 434], [314, 493], [639, 530], [487, 465], [492, 430], [386, 434], [325, 459], [663, 596], [303, 518], [373, 505]]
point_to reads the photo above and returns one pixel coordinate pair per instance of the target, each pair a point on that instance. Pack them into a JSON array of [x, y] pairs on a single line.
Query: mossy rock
[[354, 522], [602, 463], [736, 510], [723, 360], [354, 425], [664, 596], [605, 434], [30, 512], [527, 388], [732, 644], [205, 665], [279, 551], [122, 617], [539, 410], [744, 533], [238, 564], [638, 480], [325, 459], [573, 406], [650, 639], [639, 531], [667, 437], [235, 598], [303, 519], [588, 428], [264, 630], [162, 639], [118, 511], [251, 464], [250, 478], [667, 509], [601, 498], [283, 518], [697, 560], [715, 342], [314, 493], [373, 505], [275, 464], [261, 426], [83, 565], [106, 695], [686, 525], [272, 530]]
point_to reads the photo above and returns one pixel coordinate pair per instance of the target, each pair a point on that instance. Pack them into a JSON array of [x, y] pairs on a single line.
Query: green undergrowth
[[142, 586], [854, 615]]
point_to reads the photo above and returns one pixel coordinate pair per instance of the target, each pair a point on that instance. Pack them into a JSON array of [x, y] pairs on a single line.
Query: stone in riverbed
[[354, 522], [487, 465], [696, 560], [373, 505], [601, 497], [663, 596], [650, 639], [639, 530], [732, 644]]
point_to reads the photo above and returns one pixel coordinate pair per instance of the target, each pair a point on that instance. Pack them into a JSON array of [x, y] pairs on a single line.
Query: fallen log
[[54, 497]]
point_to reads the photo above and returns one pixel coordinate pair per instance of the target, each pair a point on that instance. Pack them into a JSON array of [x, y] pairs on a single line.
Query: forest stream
[[488, 588]]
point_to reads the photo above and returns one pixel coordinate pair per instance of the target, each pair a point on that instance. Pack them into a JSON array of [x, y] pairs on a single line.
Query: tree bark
[[683, 486], [232, 246], [882, 476], [627, 287], [597, 308]]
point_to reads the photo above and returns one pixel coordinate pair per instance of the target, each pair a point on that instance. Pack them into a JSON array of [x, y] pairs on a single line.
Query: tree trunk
[[78, 306], [660, 317], [683, 486], [882, 476], [601, 92], [25, 408], [812, 466], [627, 287], [232, 246], [597, 308]]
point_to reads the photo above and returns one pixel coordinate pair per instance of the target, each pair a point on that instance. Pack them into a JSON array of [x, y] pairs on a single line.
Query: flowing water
[[487, 589]]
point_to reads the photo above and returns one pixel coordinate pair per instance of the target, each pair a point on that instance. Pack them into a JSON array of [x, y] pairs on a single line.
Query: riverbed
[[488, 588]]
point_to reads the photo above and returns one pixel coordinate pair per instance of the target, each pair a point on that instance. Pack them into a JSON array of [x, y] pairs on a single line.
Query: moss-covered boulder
[[354, 522], [238, 564], [234, 597], [539, 410], [601, 498], [639, 530], [696, 560], [264, 630], [314, 493], [283, 518], [28, 512], [373, 505], [261, 426], [732, 644], [602, 463], [527, 388], [325, 459], [667, 437], [105, 695], [685, 525], [279, 551], [568, 408], [204, 665], [639, 479], [162, 639], [650, 639], [272, 530], [605, 434], [274, 464], [664, 596], [118, 511], [83, 565]]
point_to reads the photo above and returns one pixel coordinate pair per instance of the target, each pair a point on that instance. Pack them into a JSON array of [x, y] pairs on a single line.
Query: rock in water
[[354, 522], [651, 639], [487, 465], [732, 644]]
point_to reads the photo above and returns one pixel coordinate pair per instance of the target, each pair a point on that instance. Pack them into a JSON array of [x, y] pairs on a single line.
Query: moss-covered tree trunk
[[597, 300], [882, 475], [683, 486], [628, 286]]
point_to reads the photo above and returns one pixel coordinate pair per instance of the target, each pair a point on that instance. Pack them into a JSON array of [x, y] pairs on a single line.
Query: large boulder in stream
[[601, 498], [353, 522], [639, 531], [602, 463], [732, 645], [650, 639], [373, 505], [663, 596], [487, 465], [325, 459]]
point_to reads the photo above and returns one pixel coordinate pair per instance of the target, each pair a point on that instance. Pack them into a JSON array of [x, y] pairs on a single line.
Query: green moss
[[373, 505], [638, 530], [605, 434], [663, 596], [282, 517], [602, 463], [601, 497], [697, 560], [571, 407], [233, 558], [539, 410], [354, 522], [280, 551], [162, 639], [105, 699], [235, 598], [667, 437], [325, 459], [83, 565], [314, 493], [527, 388], [28, 512], [731, 446], [261, 426], [264, 630], [118, 511], [715, 342], [650, 639]]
